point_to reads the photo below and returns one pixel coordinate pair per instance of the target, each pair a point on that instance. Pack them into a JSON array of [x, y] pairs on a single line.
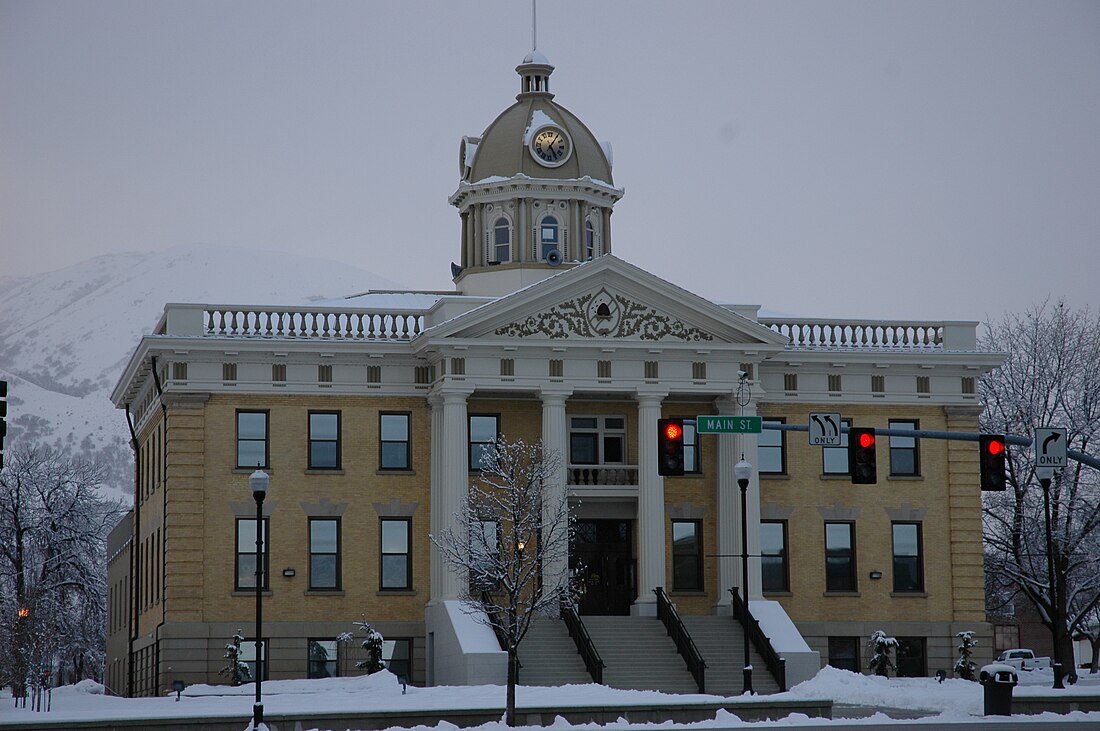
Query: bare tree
[[511, 536], [1051, 377], [53, 527]]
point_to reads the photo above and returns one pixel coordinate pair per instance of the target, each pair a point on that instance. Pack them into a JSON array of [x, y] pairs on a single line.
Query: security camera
[[742, 375]]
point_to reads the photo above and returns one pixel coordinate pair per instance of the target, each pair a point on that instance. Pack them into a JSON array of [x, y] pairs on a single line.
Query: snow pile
[[922, 694]]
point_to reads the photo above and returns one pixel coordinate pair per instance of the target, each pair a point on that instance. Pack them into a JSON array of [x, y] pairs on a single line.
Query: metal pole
[[744, 484], [258, 707], [1055, 631]]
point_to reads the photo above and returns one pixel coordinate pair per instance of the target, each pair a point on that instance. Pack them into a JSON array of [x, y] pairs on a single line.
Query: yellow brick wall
[[804, 490]]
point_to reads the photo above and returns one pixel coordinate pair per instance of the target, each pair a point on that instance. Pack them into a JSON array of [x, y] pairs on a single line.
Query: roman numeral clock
[[551, 146]]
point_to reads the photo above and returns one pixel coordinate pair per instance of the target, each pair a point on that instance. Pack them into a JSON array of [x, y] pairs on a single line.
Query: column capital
[[650, 396], [451, 392], [556, 393]]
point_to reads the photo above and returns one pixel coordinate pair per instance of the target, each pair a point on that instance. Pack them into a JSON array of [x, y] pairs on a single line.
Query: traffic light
[[670, 447], [861, 456], [992, 461]]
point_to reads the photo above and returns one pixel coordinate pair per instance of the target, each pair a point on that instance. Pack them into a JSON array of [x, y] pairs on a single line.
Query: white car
[[1024, 660]]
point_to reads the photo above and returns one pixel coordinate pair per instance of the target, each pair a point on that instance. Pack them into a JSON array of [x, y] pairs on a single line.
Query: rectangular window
[[834, 383], [278, 372], [651, 370], [908, 562], [840, 557], [699, 371], [396, 554], [774, 572], [834, 460], [878, 385], [692, 464], [324, 440], [322, 658], [790, 382], [324, 374], [597, 440], [904, 451], [483, 433], [248, 657], [771, 450], [246, 554], [252, 439], [912, 657], [556, 367], [324, 554], [844, 653], [374, 374], [687, 555], [397, 657], [394, 431], [484, 552]]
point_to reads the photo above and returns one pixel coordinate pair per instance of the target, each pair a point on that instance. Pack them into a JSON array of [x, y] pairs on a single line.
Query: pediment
[[607, 299]]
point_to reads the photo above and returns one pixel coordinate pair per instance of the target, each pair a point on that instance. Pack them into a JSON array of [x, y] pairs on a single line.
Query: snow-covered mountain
[[66, 335]]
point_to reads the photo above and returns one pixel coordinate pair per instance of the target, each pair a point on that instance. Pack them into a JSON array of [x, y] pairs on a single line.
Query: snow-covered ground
[[952, 700]]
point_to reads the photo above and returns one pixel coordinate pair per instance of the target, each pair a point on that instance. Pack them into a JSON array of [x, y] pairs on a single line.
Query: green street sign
[[728, 424]]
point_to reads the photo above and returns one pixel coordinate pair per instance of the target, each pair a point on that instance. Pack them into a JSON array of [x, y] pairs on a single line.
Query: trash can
[[998, 680]]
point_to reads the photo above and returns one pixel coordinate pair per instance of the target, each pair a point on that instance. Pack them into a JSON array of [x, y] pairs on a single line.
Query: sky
[[953, 704], [928, 160]]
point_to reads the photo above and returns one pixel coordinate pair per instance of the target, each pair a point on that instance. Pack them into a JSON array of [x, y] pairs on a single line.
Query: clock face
[[551, 146]]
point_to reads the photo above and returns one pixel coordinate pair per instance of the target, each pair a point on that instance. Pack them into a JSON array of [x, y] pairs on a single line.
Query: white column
[[450, 484], [555, 436], [729, 508], [438, 569], [651, 507]]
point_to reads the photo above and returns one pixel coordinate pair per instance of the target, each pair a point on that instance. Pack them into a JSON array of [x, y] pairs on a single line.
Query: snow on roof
[[385, 300], [539, 119]]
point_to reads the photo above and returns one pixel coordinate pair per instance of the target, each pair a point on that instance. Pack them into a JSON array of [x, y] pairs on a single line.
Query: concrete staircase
[[638, 654], [719, 641], [548, 655]]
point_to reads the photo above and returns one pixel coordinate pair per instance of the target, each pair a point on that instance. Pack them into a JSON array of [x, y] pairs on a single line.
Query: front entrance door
[[601, 559]]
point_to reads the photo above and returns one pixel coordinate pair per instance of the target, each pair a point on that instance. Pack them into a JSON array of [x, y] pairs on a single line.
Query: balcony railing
[[602, 475], [313, 323], [816, 333]]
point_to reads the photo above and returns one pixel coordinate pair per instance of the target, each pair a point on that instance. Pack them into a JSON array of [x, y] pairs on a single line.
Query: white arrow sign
[[825, 429], [1050, 447]]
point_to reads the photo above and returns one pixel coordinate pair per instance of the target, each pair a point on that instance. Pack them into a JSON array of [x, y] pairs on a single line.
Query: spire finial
[[534, 25]]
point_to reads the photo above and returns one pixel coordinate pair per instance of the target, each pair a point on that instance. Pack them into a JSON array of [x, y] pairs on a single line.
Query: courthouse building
[[368, 414]]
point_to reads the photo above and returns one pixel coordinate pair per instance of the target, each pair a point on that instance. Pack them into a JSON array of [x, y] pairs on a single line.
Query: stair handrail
[[776, 665], [593, 663], [666, 612]]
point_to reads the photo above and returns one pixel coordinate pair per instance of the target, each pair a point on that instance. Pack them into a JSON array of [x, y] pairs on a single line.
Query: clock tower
[[535, 194]]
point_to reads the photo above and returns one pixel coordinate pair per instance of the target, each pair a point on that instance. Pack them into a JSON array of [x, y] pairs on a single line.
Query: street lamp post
[[1045, 474], [743, 472], [258, 481]]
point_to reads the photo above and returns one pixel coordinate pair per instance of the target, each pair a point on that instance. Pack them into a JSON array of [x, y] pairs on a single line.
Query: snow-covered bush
[[373, 647], [236, 669], [880, 646], [965, 666]]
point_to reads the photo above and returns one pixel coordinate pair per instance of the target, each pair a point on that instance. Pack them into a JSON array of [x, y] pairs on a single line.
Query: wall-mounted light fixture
[[876, 575], [288, 572]]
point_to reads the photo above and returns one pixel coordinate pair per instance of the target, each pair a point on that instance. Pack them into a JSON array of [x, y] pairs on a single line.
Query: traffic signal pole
[[956, 436]]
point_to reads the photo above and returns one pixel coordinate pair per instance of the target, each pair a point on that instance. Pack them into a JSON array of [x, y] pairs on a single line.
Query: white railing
[[815, 333], [602, 474], [250, 321]]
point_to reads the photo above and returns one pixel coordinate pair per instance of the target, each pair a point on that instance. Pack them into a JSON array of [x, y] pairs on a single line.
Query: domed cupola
[[536, 191]]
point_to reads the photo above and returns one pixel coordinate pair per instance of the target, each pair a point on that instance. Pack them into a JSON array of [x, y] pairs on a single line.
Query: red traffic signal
[[862, 464], [991, 461], [670, 447]]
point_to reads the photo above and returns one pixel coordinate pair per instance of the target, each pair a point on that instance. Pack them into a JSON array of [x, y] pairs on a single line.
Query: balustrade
[[311, 323], [602, 474], [815, 333]]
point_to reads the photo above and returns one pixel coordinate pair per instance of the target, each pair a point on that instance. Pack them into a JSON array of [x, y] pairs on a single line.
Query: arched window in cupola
[[502, 241], [549, 236], [589, 240]]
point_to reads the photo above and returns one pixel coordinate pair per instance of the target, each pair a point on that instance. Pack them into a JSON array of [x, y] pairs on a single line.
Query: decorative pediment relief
[[603, 315]]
